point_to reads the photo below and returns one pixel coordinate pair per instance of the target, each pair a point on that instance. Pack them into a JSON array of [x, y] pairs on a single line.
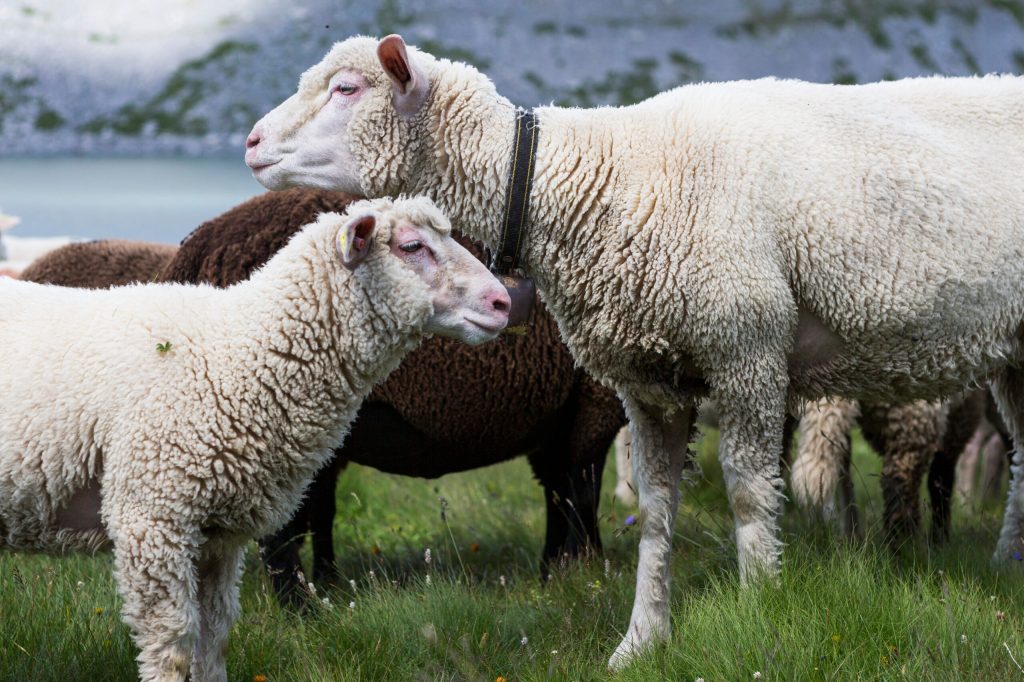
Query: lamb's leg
[[220, 568], [659, 456], [155, 568], [1008, 390]]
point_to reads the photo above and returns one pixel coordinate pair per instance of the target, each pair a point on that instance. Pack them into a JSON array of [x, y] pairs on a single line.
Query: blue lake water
[[149, 199]]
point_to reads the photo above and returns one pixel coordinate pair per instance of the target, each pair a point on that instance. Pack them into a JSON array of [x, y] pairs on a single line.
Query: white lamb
[[767, 241], [178, 422]]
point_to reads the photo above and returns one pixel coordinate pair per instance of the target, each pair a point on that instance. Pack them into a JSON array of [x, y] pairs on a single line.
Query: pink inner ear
[[392, 55], [363, 230]]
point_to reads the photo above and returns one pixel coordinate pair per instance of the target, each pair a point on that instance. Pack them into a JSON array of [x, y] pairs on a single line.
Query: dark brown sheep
[[101, 264], [447, 408]]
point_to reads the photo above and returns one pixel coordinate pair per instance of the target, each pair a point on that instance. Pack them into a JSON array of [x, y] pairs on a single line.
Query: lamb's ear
[[355, 239], [408, 84]]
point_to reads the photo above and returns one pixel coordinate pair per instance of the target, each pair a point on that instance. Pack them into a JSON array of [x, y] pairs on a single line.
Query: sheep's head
[[413, 235], [360, 121]]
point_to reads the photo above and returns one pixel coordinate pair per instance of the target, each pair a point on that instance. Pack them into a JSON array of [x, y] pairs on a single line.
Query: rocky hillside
[[139, 77]]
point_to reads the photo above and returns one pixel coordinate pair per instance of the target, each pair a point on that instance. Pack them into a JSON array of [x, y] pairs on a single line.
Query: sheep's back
[[101, 264]]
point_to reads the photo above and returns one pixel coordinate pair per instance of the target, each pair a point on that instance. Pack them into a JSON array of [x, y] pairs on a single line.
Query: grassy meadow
[[478, 611]]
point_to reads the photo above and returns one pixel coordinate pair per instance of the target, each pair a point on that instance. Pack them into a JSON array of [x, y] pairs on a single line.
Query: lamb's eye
[[346, 89], [411, 247]]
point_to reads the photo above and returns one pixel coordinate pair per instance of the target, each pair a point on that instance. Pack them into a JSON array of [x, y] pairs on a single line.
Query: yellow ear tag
[[341, 242]]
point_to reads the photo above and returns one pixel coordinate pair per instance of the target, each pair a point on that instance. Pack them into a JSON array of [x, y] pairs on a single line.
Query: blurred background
[[126, 118]]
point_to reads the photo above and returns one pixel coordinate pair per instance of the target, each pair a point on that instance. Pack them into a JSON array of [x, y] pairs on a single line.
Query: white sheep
[[769, 241], [177, 422]]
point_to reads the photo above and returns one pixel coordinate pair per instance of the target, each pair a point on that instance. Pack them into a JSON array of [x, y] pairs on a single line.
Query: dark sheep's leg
[[966, 414], [545, 464], [280, 553], [941, 477], [322, 506]]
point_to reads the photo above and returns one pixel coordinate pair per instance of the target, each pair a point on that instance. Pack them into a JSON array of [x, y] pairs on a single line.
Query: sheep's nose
[[254, 138], [500, 301]]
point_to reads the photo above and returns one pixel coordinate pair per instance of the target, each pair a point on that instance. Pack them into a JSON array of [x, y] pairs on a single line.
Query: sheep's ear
[[408, 84], [355, 239]]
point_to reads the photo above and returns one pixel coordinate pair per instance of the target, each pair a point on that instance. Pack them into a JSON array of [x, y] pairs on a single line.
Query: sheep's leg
[[625, 487], [155, 568], [321, 507], [823, 457], [659, 455], [752, 398], [280, 553], [220, 568], [1008, 389], [846, 500]]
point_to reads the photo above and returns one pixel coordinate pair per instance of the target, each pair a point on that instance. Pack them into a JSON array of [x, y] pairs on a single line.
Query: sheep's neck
[[572, 194], [468, 160], [312, 324]]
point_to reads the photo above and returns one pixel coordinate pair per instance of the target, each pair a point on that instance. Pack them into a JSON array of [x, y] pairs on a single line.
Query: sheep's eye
[[346, 89], [411, 247]]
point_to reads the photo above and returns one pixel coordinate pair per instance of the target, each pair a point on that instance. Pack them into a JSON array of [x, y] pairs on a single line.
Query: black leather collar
[[517, 196]]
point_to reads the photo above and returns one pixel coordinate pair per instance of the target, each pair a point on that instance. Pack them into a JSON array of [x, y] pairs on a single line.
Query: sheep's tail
[[822, 453]]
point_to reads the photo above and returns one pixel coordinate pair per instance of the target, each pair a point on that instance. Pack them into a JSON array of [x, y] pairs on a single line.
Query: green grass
[[839, 612]]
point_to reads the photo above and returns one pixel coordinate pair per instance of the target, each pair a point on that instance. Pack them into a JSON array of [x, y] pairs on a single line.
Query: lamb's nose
[[254, 139]]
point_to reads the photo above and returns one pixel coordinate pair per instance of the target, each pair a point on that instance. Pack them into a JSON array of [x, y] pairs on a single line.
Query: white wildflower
[[352, 584], [607, 568], [351, 605], [426, 556], [428, 578], [757, 674], [312, 588], [81, 583], [501, 580], [699, 679], [963, 639], [524, 641]]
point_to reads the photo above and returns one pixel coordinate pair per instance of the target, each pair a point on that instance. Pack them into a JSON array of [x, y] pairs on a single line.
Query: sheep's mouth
[[256, 167], [490, 327]]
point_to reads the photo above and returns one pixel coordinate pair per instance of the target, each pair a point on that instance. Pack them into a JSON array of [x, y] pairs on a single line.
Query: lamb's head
[[407, 244], [365, 119]]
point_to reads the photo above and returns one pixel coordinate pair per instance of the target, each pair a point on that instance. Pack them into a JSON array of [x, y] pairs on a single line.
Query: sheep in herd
[[912, 439], [176, 422], [766, 242], [102, 264]]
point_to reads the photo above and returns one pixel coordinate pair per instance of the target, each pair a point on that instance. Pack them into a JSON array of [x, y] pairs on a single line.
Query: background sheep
[[911, 439], [190, 419], [767, 241], [101, 264]]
